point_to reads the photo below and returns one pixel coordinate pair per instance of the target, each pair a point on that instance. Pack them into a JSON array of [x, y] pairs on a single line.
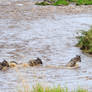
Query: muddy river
[[26, 34]]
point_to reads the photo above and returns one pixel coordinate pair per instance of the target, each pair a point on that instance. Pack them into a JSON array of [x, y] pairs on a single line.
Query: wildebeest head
[[78, 58], [39, 61], [5, 63]]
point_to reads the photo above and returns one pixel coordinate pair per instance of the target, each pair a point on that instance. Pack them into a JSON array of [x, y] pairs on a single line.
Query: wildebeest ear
[[38, 58], [4, 60], [78, 55]]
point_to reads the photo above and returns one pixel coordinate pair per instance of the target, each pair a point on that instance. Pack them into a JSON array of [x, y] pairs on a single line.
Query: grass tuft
[[85, 41], [61, 2], [84, 2], [81, 90], [39, 88], [65, 2], [53, 2]]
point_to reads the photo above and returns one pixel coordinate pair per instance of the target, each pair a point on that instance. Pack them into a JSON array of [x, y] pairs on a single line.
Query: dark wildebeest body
[[73, 61], [35, 62]]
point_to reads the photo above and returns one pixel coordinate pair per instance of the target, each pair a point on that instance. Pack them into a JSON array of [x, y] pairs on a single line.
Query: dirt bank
[[26, 10]]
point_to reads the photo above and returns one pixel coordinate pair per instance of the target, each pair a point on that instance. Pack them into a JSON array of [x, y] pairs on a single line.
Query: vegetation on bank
[[85, 41], [42, 3], [61, 2], [56, 3], [82, 2], [64, 2], [39, 88]]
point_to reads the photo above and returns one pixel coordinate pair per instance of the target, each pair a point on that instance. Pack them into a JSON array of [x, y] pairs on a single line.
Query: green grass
[[80, 90], [65, 2], [39, 88], [52, 2], [61, 2], [85, 41], [83, 2]]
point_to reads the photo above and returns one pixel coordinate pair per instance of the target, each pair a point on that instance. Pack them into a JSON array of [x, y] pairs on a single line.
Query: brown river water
[[28, 31]]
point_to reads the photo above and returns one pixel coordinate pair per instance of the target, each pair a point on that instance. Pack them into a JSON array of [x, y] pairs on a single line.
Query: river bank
[[27, 10]]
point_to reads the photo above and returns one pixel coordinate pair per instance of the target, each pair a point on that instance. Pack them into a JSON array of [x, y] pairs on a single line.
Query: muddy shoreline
[[27, 10]]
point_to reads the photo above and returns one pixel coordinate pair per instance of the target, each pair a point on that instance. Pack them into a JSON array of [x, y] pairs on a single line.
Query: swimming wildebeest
[[35, 62], [73, 61]]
